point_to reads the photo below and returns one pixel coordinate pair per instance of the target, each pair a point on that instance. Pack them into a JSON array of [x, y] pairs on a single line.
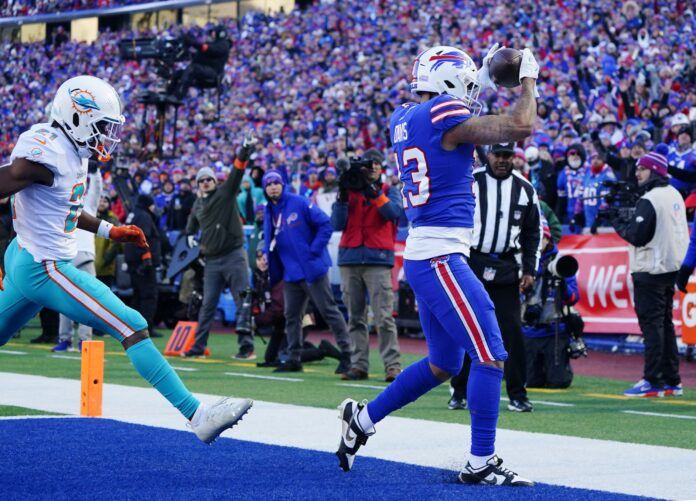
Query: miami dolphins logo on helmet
[[83, 101]]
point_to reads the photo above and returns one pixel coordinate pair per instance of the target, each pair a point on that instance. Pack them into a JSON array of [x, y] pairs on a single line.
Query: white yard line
[[29, 416], [552, 404], [66, 357], [270, 378], [357, 385], [11, 352], [659, 414], [184, 369], [647, 470]]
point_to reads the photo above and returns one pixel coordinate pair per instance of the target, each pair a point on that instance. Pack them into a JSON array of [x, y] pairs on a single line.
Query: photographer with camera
[[207, 64], [216, 214], [263, 312], [367, 212], [297, 233], [552, 337], [658, 236]]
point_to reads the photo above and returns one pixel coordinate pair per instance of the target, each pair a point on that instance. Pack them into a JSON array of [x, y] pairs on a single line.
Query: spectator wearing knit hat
[[296, 234], [216, 214], [658, 236]]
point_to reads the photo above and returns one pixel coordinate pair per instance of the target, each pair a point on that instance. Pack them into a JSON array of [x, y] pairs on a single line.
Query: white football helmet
[[447, 70], [90, 111]]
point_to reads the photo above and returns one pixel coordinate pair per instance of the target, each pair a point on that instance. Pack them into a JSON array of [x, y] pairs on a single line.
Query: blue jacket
[[593, 191], [570, 294], [302, 232], [690, 259]]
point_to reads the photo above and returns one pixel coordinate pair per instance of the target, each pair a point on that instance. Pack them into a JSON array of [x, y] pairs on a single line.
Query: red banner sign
[[606, 287], [604, 280]]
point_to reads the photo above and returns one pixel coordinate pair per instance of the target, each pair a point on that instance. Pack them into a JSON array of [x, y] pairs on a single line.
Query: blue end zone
[[104, 459]]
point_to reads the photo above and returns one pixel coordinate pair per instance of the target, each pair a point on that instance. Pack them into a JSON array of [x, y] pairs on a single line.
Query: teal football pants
[[58, 285]]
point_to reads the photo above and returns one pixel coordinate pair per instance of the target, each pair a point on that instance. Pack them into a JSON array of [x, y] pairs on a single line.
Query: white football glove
[[529, 68], [483, 76], [191, 241]]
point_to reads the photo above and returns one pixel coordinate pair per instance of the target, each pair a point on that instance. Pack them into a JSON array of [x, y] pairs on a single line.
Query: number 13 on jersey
[[413, 167]]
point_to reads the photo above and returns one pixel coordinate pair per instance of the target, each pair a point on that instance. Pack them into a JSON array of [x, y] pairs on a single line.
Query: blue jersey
[[569, 185], [437, 184], [594, 191], [685, 160]]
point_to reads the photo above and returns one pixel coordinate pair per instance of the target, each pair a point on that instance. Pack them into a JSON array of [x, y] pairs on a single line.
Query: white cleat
[[215, 419], [493, 474]]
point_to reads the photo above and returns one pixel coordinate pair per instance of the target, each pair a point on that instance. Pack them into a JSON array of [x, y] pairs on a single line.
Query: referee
[[507, 235]]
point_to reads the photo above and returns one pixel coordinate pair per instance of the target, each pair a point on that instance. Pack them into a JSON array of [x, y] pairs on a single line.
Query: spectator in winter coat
[[570, 180], [296, 235], [594, 190]]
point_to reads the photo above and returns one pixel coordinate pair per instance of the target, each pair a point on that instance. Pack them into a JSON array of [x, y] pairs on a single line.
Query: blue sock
[[415, 381], [152, 366], [483, 397]]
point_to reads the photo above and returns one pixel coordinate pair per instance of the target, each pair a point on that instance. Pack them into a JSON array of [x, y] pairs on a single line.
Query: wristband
[[104, 229]]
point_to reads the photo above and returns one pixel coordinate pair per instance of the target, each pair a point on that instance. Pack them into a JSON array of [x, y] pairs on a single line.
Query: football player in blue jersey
[[433, 141]]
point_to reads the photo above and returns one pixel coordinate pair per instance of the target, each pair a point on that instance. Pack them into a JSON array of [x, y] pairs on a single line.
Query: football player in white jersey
[[47, 177]]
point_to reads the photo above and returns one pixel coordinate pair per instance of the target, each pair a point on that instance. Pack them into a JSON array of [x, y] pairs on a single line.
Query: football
[[504, 67]]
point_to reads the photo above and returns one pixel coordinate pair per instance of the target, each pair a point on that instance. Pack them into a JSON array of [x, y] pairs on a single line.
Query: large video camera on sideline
[[621, 200], [353, 178], [537, 311], [164, 50]]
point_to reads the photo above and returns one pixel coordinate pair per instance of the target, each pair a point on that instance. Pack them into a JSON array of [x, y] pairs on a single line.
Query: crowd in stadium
[[318, 86], [14, 8]]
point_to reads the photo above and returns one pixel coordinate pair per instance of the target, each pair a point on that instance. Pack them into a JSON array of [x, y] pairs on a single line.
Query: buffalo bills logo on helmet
[[83, 101], [454, 57]]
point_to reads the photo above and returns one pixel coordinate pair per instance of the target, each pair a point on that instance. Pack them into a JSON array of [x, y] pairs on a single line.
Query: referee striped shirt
[[507, 218]]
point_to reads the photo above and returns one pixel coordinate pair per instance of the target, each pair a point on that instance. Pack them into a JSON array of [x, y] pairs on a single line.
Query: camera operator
[[658, 236], [367, 214], [264, 302], [216, 214], [208, 62], [552, 338]]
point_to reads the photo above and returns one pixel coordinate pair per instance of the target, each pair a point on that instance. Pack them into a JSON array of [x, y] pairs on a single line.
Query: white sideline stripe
[[184, 369], [270, 378], [602, 250], [638, 469], [356, 385], [611, 320], [66, 357], [659, 414], [11, 352], [32, 416]]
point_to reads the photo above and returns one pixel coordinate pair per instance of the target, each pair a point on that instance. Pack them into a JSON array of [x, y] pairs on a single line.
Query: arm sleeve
[[640, 229], [339, 216], [192, 225], [234, 181], [570, 294], [688, 176], [392, 210], [319, 220], [447, 112], [531, 237]]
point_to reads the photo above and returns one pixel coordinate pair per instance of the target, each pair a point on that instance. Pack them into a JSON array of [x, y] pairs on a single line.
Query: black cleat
[[352, 436], [492, 474]]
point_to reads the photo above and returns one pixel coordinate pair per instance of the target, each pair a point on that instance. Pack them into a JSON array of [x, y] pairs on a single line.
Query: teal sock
[[152, 366]]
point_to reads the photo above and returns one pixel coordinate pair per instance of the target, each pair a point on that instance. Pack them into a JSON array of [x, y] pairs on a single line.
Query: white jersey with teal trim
[[45, 217]]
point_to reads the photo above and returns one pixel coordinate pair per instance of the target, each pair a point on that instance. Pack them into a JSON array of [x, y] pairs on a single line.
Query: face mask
[[574, 163]]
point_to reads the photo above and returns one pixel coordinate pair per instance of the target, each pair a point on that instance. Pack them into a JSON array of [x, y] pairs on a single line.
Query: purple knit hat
[[272, 176], [654, 161]]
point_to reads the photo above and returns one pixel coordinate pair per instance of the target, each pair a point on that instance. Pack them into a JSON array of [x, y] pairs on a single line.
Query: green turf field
[[10, 410], [592, 407]]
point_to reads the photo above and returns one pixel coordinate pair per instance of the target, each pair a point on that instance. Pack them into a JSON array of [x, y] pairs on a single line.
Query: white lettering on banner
[[608, 281], [597, 284], [617, 284], [689, 310]]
